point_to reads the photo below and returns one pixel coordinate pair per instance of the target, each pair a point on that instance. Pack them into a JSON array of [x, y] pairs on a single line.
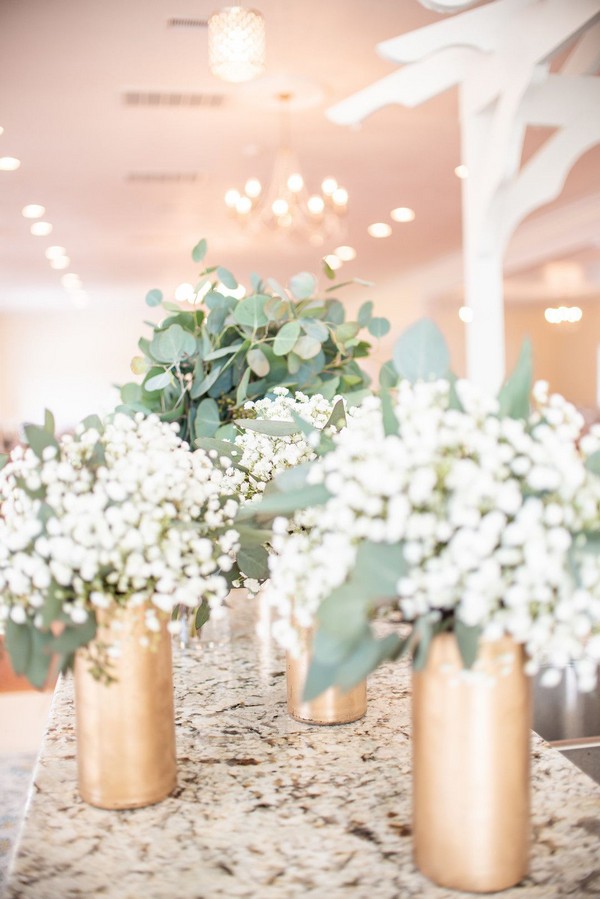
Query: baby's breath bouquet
[[466, 513], [277, 433], [119, 514]]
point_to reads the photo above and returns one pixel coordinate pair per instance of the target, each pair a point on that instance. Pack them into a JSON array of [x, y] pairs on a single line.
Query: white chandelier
[[236, 43], [286, 206]]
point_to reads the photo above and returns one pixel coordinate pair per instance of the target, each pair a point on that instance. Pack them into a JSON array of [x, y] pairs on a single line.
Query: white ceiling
[[65, 68]]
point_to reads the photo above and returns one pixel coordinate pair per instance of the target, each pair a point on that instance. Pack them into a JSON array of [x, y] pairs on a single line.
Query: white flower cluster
[[124, 515], [491, 514], [264, 456]]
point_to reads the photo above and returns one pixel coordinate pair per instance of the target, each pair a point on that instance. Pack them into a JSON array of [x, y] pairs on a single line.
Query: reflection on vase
[[125, 729], [471, 766]]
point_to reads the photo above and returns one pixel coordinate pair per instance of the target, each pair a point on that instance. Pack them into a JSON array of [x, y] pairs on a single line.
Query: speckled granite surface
[[271, 808]]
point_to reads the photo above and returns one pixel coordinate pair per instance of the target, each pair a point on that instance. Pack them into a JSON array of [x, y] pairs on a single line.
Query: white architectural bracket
[[499, 55]]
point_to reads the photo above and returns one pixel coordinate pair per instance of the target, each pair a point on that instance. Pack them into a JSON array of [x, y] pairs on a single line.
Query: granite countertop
[[268, 807]]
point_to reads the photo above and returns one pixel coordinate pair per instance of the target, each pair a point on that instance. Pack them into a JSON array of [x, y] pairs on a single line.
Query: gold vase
[[471, 766], [125, 729], [331, 707]]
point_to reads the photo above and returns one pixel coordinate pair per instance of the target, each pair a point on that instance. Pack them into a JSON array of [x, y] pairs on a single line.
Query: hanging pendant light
[[236, 43]]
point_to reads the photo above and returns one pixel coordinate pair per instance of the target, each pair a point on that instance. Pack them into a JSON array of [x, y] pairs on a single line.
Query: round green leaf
[[199, 251], [421, 353], [378, 327], [346, 331], [226, 278], [258, 362], [207, 418], [173, 343], [154, 297], [275, 309], [303, 285], [286, 338], [139, 365], [306, 347], [365, 313], [158, 381], [315, 328], [251, 312]]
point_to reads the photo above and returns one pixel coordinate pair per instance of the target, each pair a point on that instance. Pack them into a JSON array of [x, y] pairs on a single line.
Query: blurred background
[[126, 146]]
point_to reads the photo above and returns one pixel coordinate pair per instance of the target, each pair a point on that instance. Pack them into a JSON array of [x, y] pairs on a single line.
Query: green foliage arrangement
[[203, 361]]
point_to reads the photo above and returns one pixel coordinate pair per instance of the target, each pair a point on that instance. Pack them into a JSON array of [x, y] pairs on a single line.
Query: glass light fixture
[[236, 43], [461, 171], [32, 211], [9, 163], [379, 229], [345, 253], [334, 262], [285, 205], [465, 313], [60, 262], [403, 214], [55, 252], [41, 229]]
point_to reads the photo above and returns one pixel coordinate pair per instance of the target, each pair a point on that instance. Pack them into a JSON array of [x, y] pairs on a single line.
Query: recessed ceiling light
[[380, 229], [345, 253], [461, 171], [71, 281], [1, 130], [403, 214], [465, 313], [328, 186], [55, 252], [340, 196], [33, 211], [9, 164], [334, 262], [41, 229], [60, 262]]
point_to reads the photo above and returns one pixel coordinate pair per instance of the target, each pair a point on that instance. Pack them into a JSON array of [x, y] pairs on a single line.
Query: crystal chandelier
[[286, 206], [236, 43]]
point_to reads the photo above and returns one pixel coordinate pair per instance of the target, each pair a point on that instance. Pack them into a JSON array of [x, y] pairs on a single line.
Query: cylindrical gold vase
[[331, 707], [125, 730], [471, 754]]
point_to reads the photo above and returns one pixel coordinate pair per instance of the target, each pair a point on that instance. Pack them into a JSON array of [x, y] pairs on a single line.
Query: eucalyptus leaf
[[307, 347], [379, 567], [258, 362], [421, 353], [49, 423], [275, 309], [268, 426], [514, 396], [378, 327], [314, 328], [19, 643], [365, 313], [157, 382], [346, 331], [592, 463], [303, 285], [253, 561], [202, 614], [131, 393], [277, 289], [423, 634], [38, 439], [74, 636], [276, 503], [388, 376], [226, 278], [337, 418], [390, 421], [251, 312], [286, 338], [140, 365], [319, 678], [294, 363], [94, 421], [207, 418], [224, 351], [154, 297], [335, 312], [40, 659], [199, 251], [241, 392], [3, 460], [468, 642], [202, 385]]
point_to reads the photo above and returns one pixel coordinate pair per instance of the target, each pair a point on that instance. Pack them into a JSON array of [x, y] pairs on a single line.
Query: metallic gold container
[[471, 767], [125, 730], [331, 707]]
